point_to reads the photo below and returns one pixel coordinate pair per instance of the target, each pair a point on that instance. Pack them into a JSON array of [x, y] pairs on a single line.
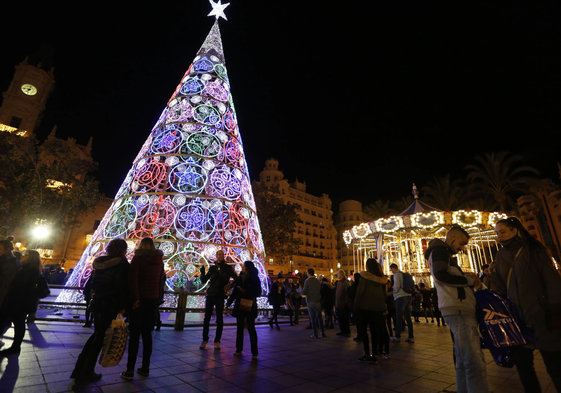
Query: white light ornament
[[218, 9], [347, 237], [362, 231]]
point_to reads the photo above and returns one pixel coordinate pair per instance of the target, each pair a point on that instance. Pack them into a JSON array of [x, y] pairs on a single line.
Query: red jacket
[[146, 275]]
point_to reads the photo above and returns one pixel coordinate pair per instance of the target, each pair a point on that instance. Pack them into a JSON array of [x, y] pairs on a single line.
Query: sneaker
[[203, 344], [217, 346], [395, 339], [409, 340], [386, 356], [128, 375], [238, 353], [314, 336], [278, 327], [365, 358], [323, 335], [143, 371]]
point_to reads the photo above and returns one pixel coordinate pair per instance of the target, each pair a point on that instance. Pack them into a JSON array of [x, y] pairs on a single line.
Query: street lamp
[[40, 232]]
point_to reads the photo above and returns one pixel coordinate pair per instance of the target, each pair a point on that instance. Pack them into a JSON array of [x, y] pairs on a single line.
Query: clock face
[[28, 89]]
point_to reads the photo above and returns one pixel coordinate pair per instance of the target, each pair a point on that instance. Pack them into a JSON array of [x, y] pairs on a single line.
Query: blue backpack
[[408, 285]]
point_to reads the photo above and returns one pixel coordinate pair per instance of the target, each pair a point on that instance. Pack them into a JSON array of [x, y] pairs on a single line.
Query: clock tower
[[24, 101]]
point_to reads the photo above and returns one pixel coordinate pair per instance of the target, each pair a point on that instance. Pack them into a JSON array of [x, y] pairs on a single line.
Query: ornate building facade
[[23, 106], [350, 214], [314, 230]]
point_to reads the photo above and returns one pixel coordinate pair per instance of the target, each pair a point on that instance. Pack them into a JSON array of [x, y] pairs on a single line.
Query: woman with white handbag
[[245, 309]]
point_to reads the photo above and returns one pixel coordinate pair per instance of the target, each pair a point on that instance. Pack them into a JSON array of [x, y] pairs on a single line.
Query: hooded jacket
[[371, 293], [22, 296], [455, 290], [535, 289], [146, 275], [110, 289]]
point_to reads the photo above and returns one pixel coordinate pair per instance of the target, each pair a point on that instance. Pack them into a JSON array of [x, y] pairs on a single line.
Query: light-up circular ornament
[[195, 220], [224, 183], [188, 177], [427, 220], [347, 237], [495, 217], [389, 225], [361, 231], [202, 144], [151, 176], [467, 218], [155, 217], [193, 85], [121, 218]]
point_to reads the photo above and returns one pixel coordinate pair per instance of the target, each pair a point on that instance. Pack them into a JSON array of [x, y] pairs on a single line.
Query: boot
[[88, 372], [79, 367]]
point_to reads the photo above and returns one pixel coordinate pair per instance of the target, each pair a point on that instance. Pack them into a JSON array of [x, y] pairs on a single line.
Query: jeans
[[403, 308], [211, 303], [314, 310], [524, 360], [471, 370], [248, 319], [141, 322]]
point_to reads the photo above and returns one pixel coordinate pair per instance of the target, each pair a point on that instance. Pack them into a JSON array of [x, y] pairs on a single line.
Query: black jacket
[[22, 295], [110, 289], [252, 287], [219, 276]]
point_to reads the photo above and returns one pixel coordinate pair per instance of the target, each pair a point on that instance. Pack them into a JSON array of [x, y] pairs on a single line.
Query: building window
[[320, 215], [307, 211], [268, 178], [314, 213], [270, 261], [15, 122]]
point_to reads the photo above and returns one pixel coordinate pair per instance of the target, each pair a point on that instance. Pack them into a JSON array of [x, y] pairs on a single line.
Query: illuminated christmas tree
[[189, 187]]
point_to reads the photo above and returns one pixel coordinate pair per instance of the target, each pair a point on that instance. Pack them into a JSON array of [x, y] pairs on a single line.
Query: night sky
[[357, 101]]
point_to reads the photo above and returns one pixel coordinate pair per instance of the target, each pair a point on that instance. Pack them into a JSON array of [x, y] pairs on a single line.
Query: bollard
[[181, 305]]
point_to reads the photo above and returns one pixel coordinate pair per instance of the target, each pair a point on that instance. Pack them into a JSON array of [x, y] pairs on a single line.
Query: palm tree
[[499, 175], [443, 193], [402, 204], [378, 209]]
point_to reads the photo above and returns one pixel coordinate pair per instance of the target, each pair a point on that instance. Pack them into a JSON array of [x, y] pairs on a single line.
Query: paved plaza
[[289, 361]]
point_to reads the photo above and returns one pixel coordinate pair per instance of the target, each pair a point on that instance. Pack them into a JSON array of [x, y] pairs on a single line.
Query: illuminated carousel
[[404, 238]]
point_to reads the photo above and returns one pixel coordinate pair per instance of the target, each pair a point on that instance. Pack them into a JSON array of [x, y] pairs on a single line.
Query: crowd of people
[[381, 307]]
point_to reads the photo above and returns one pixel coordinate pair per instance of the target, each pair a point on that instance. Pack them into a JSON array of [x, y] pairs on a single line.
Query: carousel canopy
[[418, 207]]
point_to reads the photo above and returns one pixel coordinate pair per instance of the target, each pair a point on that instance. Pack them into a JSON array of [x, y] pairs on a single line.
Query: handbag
[[114, 343], [500, 326], [42, 289], [246, 305]]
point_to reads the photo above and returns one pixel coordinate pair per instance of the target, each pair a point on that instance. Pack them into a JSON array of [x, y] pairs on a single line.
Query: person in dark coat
[[525, 272], [370, 302], [248, 287], [342, 304], [9, 266], [219, 276], [110, 296], [296, 300], [146, 285], [276, 299], [21, 298], [87, 297], [354, 318]]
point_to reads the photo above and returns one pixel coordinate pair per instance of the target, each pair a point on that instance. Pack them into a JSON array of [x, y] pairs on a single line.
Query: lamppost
[[40, 232]]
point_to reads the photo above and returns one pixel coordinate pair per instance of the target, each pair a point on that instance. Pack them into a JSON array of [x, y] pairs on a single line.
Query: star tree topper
[[218, 9]]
